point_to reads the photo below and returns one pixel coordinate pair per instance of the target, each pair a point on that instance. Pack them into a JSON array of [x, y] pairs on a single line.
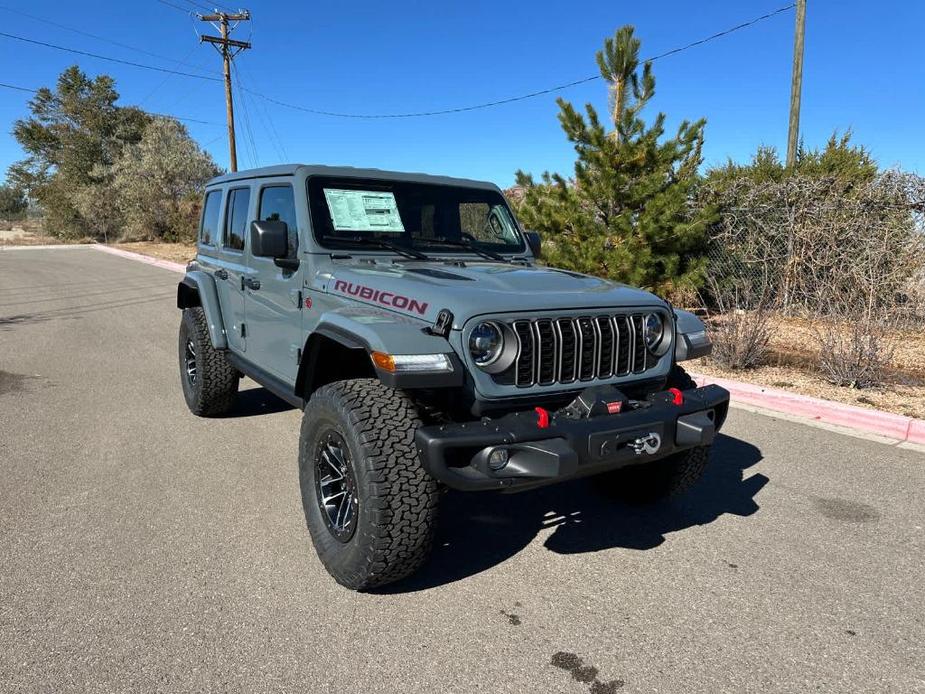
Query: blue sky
[[863, 70]]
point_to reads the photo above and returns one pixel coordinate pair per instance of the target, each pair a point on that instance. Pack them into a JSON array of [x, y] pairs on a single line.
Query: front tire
[[209, 382], [369, 505]]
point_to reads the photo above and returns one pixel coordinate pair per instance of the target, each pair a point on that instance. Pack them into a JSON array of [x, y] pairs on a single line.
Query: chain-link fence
[[820, 246]]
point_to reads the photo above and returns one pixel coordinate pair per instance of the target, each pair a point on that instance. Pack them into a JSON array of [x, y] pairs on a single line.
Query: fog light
[[497, 458]]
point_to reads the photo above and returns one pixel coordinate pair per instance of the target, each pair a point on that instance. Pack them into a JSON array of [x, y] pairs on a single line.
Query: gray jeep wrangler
[[406, 316]]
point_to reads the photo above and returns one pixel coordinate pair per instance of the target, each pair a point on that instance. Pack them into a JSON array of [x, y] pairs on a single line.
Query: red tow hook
[[677, 397], [542, 418]]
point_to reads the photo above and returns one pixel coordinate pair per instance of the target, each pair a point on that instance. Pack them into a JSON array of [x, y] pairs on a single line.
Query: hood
[[474, 288]]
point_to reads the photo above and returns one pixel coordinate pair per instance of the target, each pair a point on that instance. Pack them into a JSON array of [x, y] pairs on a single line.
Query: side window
[[490, 224], [278, 204], [236, 218], [208, 232]]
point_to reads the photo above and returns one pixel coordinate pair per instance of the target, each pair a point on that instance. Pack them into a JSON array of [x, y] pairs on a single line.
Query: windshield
[[414, 215]]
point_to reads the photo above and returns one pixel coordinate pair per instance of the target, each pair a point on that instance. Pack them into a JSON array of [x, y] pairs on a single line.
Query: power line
[[153, 113], [521, 97], [439, 112], [248, 131], [176, 7], [724, 32], [263, 112], [22, 89], [112, 60], [93, 36], [206, 8]]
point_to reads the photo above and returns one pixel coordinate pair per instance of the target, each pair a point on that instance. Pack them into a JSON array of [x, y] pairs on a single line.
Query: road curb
[[47, 247], [887, 424], [147, 259]]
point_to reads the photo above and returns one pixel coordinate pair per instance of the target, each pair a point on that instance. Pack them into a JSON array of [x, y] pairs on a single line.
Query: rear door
[[273, 293], [212, 258], [231, 265]]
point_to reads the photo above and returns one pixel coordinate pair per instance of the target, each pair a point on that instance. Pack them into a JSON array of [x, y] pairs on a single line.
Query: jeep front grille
[[554, 351]]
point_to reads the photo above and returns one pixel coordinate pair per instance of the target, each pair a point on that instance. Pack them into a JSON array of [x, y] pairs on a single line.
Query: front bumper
[[458, 454]]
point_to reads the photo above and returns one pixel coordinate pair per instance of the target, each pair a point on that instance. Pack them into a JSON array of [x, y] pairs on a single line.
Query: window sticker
[[364, 210]]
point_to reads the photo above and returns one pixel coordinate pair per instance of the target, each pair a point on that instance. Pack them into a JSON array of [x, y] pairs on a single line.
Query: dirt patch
[[175, 252]]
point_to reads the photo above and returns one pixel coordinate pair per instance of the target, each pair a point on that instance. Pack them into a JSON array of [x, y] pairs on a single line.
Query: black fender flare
[[197, 288], [356, 343]]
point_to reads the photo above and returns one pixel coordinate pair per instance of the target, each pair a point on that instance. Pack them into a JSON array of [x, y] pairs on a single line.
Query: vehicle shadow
[[254, 402], [477, 531]]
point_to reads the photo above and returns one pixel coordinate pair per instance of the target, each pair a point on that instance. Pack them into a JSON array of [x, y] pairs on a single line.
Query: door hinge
[[243, 330]]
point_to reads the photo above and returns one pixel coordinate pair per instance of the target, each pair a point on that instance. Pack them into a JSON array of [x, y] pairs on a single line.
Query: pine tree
[[627, 213]]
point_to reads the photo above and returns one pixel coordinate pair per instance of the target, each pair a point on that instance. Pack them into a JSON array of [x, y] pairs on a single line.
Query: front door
[[272, 293]]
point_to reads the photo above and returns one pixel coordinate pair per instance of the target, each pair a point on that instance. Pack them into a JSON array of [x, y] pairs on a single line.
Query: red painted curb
[[916, 433], [894, 426], [147, 259]]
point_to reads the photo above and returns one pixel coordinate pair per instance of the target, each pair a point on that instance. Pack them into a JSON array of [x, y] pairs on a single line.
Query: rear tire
[[670, 476], [209, 382], [357, 440]]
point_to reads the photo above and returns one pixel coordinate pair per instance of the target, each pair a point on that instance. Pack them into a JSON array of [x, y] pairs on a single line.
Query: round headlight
[[653, 330], [486, 342]]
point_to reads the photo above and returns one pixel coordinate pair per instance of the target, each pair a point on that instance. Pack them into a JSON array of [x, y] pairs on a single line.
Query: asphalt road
[[144, 549]]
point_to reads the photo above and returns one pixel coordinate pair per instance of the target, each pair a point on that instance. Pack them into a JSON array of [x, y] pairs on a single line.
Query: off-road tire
[[396, 499], [213, 391], [680, 379], [670, 476]]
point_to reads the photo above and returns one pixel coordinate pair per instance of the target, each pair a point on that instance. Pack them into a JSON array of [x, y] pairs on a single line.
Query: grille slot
[[551, 351]]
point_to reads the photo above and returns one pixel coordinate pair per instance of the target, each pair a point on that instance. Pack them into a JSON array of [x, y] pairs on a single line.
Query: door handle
[[251, 283], [222, 274]]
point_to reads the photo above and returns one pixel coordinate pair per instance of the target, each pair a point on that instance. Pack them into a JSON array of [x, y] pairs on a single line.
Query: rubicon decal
[[390, 299]]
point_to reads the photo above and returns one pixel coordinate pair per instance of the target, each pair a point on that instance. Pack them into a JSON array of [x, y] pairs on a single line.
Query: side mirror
[[269, 239], [535, 243]]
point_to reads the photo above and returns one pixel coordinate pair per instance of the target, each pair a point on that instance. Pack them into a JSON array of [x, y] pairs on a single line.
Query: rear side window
[[278, 204], [208, 232], [236, 218]]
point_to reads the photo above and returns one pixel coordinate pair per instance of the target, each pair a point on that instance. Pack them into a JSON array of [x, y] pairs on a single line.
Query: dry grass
[[28, 232], [793, 342], [792, 364], [175, 252]]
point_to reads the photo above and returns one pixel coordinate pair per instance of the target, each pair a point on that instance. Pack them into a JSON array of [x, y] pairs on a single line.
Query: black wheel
[[651, 481], [209, 382], [369, 506]]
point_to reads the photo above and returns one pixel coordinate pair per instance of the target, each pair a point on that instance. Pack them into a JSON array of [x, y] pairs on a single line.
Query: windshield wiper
[[464, 243], [380, 243]]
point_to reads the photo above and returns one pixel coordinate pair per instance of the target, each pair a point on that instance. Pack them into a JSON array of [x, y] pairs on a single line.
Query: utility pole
[[226, 47], [796, 85]]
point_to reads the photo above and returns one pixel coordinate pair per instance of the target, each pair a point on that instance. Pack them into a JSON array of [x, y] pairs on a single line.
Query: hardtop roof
[[305, 170]]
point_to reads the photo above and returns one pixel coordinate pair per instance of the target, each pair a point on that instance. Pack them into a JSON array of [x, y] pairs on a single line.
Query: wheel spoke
[[342, 508], [330, 497], [335, 486], [337, 470]]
